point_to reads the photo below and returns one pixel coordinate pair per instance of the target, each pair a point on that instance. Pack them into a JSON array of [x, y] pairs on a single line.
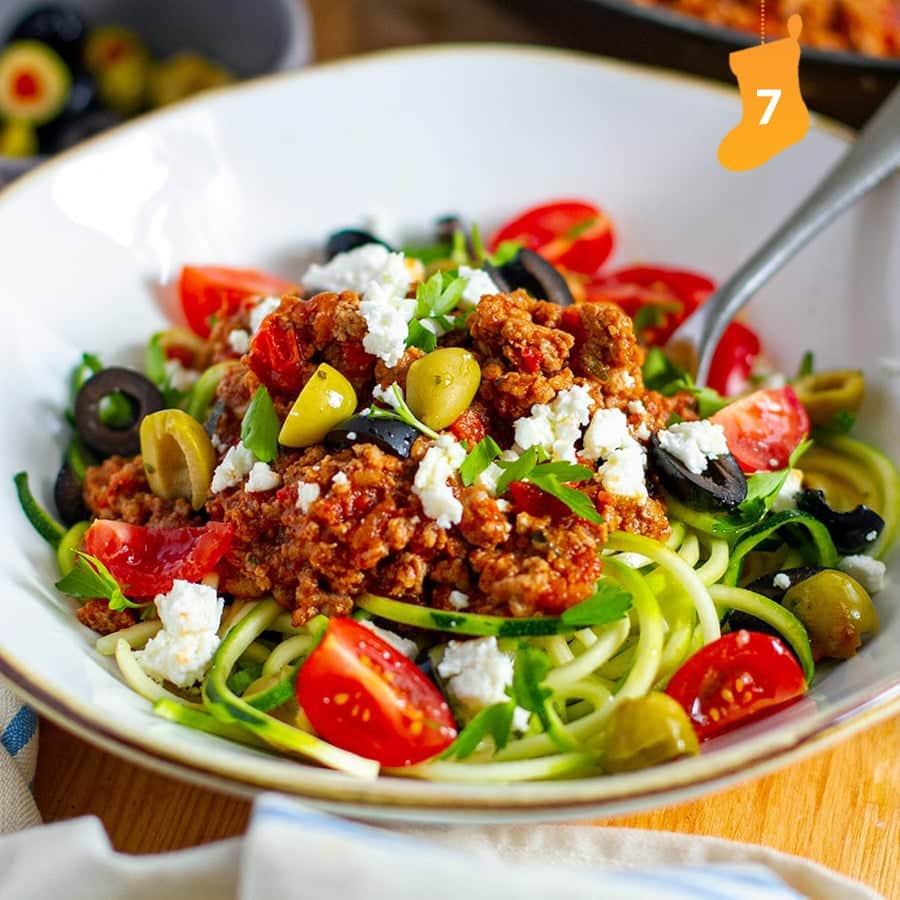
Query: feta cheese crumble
[[236, 465], [182, 652], [261, 311], [641, 431], [341, 477], [307, 494], [239, 340], [694, 443], [477, 674], [556, 427], [871, 537], [869, 572], [431, 485], [458, 600], [383, 279], [262, 478], [608, 438], [180, 378], [781, 581], [786, 498], [387, 395], [401, 644], [479, 285]]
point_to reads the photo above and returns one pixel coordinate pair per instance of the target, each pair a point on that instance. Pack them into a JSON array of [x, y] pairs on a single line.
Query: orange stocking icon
[[774, 114]]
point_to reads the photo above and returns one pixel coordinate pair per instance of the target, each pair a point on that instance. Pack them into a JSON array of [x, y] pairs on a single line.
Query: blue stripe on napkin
[[19, 731]]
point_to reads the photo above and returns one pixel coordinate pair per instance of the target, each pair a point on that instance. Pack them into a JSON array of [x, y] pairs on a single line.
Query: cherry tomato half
[[571, 234], [764, 428], [214, 290], [145, 561], [736, 678], [275, 356], [664, 297], [732, 363], [532, 500], [362, 695]]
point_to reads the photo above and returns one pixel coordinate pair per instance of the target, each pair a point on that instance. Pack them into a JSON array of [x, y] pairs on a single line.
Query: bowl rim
[[409, 800]]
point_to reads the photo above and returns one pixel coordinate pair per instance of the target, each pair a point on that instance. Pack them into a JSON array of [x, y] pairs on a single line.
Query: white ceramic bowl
[[259, 174]]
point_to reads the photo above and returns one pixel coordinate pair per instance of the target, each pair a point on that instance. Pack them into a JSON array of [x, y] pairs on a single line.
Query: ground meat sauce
[[346, 522]]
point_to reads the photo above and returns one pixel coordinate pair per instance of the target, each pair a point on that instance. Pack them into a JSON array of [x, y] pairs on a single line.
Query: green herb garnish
[[495, 721], [607, 604], [401, 413], [807, 364], [155, 369], [841, 423], [478, 459], [90, 580], [662, 375], [260, 428], [420, 336], [528, 691]]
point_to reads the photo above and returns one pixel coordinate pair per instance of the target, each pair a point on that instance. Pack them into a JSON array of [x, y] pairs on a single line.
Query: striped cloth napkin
[[18, 758]]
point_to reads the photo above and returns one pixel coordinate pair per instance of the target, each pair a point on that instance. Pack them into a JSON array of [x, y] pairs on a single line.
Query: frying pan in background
[[846, 86]]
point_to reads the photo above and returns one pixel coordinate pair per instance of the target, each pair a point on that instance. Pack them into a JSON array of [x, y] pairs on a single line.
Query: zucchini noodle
[[135, 636], [608, 639], [140, 682]]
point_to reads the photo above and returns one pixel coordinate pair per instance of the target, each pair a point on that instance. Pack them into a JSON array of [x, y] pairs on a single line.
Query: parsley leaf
[[506, 251], [478, 459], [428, 254], [841, 423], [709, 401], [495, 721], [439, 295], [420, 336], [806, 364], [652, 315], [155, 368], [516, 469], [762, 489], [402, 413], [662, 375], [90, 579], [260, 428], [528, 691], [579, 503], [607, 604]]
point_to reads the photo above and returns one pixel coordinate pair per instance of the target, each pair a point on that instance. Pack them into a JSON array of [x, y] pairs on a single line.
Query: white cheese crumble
[[871, 536], [491, 475], [628, 380], [642, 430], [458, 600], [608, 437], [262, 478], [239, 340], [431, 485], [479, 284], [180, 378], [556, 427], [477, 674], [387, 395], [781, 581], [236, 465], [307, 494], [383, 279], [182, 651], [786, 498], [262, 310], [694, 443], [341, 477], [401, 644], [869, 572]]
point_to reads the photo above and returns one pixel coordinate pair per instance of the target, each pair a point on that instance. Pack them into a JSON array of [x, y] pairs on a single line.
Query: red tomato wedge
[[734, 679], [275, 356], [667, 295], [532, 500], [214, 290], [732, 363], [571, 234], [362, 695], [764, 428], [145, 561]]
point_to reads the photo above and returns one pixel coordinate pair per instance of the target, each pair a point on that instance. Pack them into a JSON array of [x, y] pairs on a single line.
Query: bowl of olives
[[70, 70]]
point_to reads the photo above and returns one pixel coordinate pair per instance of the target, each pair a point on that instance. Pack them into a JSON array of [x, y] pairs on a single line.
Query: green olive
[[179, 458], [647, 731], [825, 394], [181, 76], [123, 85], [441, 385], [71, 541], [326, 400], [110, 44], [836, 611]]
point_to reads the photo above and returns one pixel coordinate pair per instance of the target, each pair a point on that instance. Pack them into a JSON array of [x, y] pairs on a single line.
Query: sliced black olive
[[388, 434], [532, 273], [68, 495], [349, 239], [143, 394], [446, 227], [852, 532], [766, 585], [722, 485], [60, 27]]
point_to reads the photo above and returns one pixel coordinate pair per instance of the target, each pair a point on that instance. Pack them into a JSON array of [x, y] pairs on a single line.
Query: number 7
[[774, 95]]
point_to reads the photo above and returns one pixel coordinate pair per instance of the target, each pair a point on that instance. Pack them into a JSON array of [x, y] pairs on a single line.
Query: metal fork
[[873, 157]]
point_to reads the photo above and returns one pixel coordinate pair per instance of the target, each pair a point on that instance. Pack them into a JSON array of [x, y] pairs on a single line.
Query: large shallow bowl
[[256, 176]]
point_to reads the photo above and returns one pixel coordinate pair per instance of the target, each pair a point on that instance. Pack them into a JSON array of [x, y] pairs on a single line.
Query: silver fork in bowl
[[873, 157]]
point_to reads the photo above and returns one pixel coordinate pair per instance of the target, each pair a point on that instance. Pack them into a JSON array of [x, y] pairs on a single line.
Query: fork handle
[[873, 157]]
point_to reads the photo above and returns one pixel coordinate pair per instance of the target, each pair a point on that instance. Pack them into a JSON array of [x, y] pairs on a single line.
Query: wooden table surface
[[839, 808]]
